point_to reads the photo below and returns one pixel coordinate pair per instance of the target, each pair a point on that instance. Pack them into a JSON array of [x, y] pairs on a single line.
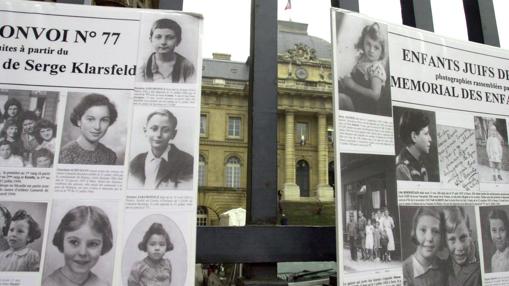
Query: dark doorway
[[303, 177]]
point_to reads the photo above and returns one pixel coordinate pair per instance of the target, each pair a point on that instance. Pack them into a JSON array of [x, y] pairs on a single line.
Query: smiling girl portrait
[[81, 247], [94, 130]]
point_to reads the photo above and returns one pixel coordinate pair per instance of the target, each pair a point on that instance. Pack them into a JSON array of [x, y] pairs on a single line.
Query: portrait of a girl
[[82, 237]]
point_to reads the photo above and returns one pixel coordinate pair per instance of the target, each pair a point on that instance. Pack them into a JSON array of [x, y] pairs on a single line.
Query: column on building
[[291, 191], [324, 192]]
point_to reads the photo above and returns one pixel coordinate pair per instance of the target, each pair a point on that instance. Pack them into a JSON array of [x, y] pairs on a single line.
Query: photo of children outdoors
[[371, 219], [27, 128], [439, 246], [492, 152], [21, 235], [364, 71]]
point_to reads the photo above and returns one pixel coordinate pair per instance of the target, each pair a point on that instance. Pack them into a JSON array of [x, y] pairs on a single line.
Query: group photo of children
[[371, 219], [21, 235], [440, 246], [28, 129]]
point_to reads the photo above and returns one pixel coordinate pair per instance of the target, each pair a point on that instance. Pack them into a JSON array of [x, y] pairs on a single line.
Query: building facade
[[305, 146]]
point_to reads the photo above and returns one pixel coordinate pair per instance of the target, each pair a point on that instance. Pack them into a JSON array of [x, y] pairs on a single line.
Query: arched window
[[232, 172], [202, 215], [202, 171]]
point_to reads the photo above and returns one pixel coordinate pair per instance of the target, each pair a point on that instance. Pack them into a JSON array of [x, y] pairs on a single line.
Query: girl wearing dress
[[153, 270], [369, 240], [494, 151], [83, 236], [361, 90], [499, 225], [23, 230], [387, 224]]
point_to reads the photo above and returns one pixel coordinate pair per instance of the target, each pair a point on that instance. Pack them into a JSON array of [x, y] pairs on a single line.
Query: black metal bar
[[481, 22], [262, 145], [171, 4], [71, 1], [417, 14], [352, 5], [265, 244]]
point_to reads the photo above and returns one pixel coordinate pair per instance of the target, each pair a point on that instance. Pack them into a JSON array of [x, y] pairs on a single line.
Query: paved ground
[[360, 265], [486, 175]]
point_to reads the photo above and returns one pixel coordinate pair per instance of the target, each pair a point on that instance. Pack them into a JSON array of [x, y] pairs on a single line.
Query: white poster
[[99, 139], [423, 151]]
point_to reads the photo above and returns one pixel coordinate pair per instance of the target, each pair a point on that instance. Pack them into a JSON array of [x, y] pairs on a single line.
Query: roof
[[289, 34], [225, 69]]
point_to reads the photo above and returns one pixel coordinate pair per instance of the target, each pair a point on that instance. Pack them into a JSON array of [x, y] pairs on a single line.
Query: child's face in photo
[[498, 233], [458, 243], [28, 126], [427, 232], [12, 110], [422, 140], [156, 246], [82, 249], [43, 162], [18, 234], [163, 40], [372, 49], [94, 123], [11, 131], [46, 134], [159, 131], [5, 151]]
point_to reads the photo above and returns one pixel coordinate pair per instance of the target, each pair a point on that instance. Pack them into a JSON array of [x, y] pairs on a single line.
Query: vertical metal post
[[262, 159], [71, 1], [481, 22], [352, 5], [171, 4], [417, 14]]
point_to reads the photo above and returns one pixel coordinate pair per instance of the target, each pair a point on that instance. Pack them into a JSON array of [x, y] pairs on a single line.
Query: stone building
[[305, 149]]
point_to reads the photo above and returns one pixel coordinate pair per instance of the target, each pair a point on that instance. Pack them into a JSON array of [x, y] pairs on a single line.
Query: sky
[[226, 22]]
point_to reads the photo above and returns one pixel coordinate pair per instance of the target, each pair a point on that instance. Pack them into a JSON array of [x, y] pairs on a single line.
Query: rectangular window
[[302, 133], [203, 125], [234, 127]]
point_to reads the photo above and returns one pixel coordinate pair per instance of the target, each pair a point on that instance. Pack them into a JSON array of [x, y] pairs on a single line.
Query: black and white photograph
[[416, 145], [440, 245], [370, 218], [492, 149], [363, 82], [21, 235], [28, 128], [155, 253], [168, 50], [94, 129], [161, 149], [81, 243], [495, 238]]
